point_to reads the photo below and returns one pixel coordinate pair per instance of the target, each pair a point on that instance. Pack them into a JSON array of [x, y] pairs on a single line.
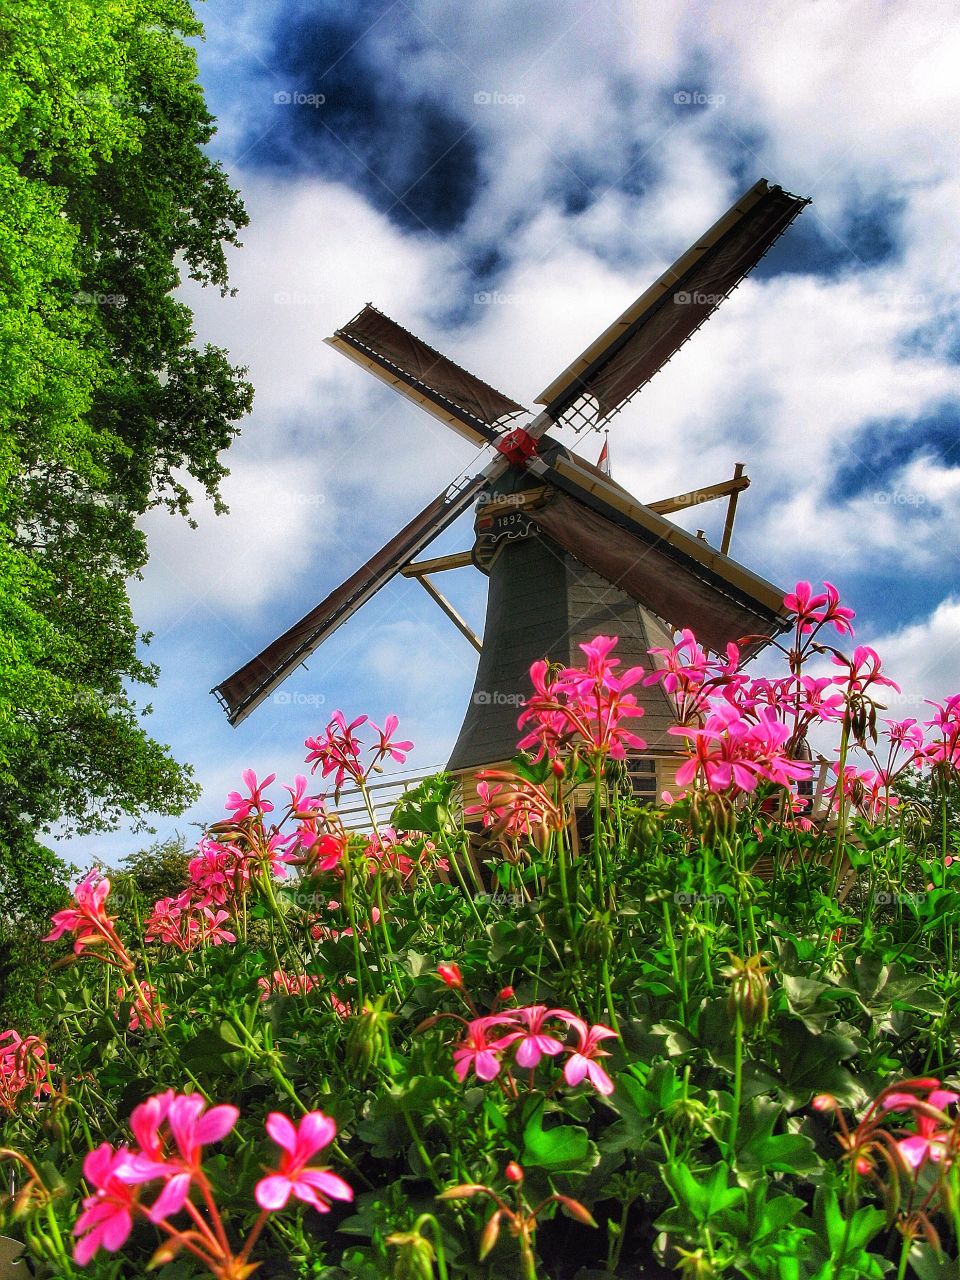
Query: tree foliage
[[108, 407]]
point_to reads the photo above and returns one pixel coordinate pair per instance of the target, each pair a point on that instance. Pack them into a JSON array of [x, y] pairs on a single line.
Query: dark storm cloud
[[866, 235], [376, 128], [881, 449]]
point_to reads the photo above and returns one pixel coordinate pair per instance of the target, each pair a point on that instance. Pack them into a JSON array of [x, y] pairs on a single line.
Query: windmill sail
[[406, 363], [661, 566], [246, 689], [627, 355]]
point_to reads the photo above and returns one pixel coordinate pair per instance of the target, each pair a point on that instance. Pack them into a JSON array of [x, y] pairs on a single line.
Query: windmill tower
[[567, 551]]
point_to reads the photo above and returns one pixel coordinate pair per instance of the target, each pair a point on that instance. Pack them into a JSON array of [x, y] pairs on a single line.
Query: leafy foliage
[[107, 406]]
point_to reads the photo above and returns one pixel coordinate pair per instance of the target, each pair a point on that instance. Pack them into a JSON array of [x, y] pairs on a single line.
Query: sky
[[504, 178]]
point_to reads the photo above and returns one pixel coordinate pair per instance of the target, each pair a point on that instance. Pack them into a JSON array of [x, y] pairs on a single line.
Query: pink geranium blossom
[[191, 1126], [533, 1043], [89, 922], [386, 747], [816, 610], [583, 707], [23, 1067], [314, 1186], [338, 750], [731, 753], [478, 1052], [582, 1061], [932, 1139], [107, 1217], [287, 984], [254, 803]]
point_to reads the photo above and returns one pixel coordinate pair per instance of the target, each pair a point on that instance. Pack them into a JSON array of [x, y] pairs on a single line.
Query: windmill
[[568, 552]]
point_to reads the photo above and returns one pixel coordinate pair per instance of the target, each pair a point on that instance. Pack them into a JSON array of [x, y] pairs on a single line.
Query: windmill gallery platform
[[567, 551]]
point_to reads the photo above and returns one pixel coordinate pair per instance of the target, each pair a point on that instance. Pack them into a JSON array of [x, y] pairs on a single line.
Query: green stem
[[842, 810], [427, 1219], [737, 1089]]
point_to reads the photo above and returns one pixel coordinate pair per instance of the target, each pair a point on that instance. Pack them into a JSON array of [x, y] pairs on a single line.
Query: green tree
[[107, 405]]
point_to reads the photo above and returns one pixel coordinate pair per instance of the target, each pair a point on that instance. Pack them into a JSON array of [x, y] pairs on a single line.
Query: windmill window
[[643, 776]]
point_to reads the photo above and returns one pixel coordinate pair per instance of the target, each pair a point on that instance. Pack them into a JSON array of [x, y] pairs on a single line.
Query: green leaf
[[705, 1194], [565, 1148]]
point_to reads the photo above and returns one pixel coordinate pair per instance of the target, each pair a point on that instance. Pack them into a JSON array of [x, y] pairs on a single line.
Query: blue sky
[[503, 179]]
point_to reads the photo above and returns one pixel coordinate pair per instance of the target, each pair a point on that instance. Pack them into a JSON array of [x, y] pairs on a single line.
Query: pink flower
[[520, 808], [534, 1043], [192, 1127], [810, 611], [244, 806], [731, 753], [288, 984], [302, 805], [187, 921], [862, 670], [944, 752], [314, 1186], [582, 1062], [107, 1217], [338, 752], [590, 705], [867, 790], [395, 750], [23, 1065], [88, 920], [145, 1007], [931, 1140], [145, 1121], [478, 1052], [450, 974]]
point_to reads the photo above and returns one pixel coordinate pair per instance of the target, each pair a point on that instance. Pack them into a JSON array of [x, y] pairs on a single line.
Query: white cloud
[[924, 658], [848, 102]]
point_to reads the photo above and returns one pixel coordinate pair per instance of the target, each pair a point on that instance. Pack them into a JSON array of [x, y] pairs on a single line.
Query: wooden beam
[[731, 511], [709, 493], [738, 575], [459, 560], [449, 610]]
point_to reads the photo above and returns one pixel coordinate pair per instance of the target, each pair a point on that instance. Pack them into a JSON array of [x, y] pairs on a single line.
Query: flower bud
[[577, 1210], [490, 1234], [748, 996], [368, 1035], [450, 973], [414, 1258], [513, 1172]]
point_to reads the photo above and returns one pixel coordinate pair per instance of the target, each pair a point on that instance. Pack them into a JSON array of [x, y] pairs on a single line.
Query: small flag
[[603, 462]]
